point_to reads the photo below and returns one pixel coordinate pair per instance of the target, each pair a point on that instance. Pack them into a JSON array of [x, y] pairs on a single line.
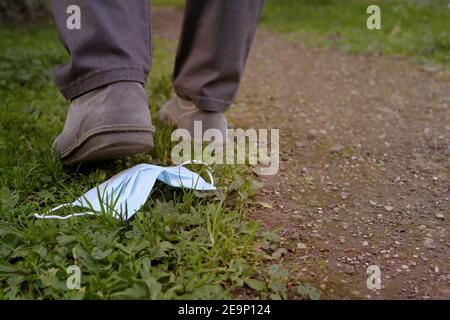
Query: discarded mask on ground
[[125, 193]]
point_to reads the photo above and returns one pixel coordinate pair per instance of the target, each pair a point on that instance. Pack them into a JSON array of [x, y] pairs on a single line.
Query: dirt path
[[365, 170]]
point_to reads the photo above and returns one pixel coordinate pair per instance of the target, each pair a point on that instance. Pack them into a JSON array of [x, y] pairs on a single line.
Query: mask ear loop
[[208, 171], [73, 215]]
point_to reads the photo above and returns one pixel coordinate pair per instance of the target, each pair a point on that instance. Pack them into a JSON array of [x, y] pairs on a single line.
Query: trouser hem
[[101, 78], [205, 103]]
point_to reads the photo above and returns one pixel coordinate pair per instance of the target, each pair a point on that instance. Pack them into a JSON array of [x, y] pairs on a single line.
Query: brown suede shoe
[[107, 123]]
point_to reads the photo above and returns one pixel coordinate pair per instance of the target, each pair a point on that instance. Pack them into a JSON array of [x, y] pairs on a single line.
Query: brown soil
[[365, 164]]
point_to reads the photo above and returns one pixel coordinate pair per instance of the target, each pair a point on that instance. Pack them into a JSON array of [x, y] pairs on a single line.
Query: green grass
[[182, 244], [174, 3], [417, 28]]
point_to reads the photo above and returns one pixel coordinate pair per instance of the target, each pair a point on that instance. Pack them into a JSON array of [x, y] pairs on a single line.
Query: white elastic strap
[[211, 178], [78, 214]]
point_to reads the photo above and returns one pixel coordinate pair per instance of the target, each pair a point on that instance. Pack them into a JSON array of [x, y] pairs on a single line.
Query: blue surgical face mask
[[125, 193]]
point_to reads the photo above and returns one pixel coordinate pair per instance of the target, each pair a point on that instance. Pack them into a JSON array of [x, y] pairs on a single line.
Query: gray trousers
[[114, 44]]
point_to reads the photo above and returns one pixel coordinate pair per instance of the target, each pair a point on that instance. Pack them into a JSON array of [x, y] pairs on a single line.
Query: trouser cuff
[[101, 78], [205, 103]]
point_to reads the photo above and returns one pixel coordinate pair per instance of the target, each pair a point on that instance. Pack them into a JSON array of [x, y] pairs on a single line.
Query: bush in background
[[14, 11]]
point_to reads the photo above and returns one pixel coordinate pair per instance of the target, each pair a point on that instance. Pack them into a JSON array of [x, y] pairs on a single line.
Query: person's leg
[[214, 45], [112, 45], [109, 63]]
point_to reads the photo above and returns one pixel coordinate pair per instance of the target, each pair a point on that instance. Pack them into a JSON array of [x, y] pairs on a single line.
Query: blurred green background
[[14, 11]]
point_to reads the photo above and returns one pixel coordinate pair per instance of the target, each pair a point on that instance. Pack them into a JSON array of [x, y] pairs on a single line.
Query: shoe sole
[[110, 145]]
